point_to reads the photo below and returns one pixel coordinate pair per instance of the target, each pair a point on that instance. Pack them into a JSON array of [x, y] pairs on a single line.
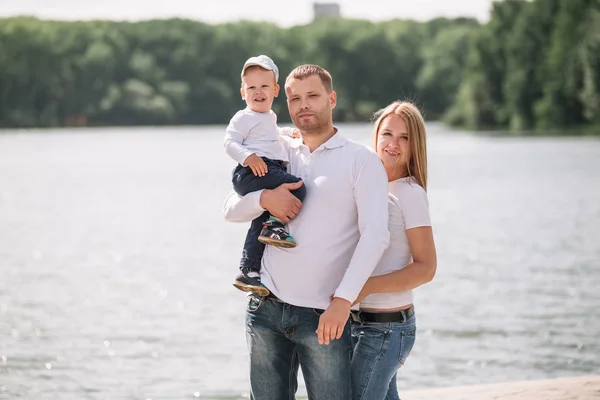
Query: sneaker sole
[[260, 291], [277, 243]]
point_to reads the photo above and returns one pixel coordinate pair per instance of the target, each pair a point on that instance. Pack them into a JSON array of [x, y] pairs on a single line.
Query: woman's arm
[[420, 271]]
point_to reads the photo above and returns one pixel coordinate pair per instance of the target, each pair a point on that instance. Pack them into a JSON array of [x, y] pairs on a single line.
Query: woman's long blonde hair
[[417, 162]]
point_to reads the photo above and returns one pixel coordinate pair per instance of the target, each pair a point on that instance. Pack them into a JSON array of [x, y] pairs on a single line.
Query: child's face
[[259, 89]]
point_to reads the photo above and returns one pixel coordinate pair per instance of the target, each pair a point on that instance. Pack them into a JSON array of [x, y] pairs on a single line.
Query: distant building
[[326, 10]]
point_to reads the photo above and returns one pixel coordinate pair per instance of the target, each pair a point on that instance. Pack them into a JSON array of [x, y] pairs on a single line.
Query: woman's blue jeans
[[380, 349]]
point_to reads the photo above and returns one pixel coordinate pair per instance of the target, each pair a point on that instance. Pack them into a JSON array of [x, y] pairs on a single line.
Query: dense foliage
[[535, 64]]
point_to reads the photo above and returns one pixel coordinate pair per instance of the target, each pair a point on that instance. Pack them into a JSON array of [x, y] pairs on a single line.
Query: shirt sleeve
[[235, 134], [415, 206], [371, 197], [242, 209], [286, 131]]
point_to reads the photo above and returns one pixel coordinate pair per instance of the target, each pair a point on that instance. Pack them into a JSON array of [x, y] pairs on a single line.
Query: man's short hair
[[304, 71]]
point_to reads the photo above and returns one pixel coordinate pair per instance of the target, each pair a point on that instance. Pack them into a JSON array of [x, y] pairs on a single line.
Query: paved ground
[[579, 388]]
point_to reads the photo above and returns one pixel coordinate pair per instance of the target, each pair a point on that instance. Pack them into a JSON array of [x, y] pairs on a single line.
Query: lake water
[[116, 264]]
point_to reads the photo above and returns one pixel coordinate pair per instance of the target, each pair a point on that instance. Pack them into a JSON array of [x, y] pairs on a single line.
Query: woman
[[383, 331]]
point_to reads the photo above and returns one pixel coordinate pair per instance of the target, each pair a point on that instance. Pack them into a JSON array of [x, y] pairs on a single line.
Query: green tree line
[[533, 65]]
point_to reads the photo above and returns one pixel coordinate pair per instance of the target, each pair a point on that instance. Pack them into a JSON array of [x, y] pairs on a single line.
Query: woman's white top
[[408, 208]]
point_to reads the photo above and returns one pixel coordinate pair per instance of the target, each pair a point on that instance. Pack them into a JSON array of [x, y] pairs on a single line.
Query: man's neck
[[316, 138]]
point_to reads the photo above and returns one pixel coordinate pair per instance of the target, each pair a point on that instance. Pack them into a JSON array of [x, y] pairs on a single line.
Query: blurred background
[[116, 264], [510, 64]]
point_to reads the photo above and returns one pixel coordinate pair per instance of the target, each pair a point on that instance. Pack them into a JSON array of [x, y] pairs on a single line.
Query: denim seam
[[292, 374], [386, 337], [293, 322], [404, 336]]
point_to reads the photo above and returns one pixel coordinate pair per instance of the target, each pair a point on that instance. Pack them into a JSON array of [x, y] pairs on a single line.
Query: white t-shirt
[[341, 230], [250, 132], [408, 208]]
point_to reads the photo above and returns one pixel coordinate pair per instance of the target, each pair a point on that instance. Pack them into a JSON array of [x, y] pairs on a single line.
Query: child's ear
[[276, 90], [243, 93]]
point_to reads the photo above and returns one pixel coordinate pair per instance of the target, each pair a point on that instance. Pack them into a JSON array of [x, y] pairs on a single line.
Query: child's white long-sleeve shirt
[[250, 132]]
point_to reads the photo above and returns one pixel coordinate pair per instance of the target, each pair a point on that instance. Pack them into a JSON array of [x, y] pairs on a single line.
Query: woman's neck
[[396, 173]]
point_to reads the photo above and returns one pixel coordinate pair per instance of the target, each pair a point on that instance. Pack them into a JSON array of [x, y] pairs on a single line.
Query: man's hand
[[256, 164], [296, 134], [333, 321], [281, 203]]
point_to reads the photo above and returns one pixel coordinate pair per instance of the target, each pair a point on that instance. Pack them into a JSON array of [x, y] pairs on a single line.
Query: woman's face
[[392, 144]]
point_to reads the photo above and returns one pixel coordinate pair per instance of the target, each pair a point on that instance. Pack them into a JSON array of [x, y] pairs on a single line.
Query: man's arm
[[279, 202], [242, 208], [371, 197]]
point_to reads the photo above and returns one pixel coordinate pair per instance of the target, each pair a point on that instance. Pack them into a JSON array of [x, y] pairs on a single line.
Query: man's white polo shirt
[[341, 230]]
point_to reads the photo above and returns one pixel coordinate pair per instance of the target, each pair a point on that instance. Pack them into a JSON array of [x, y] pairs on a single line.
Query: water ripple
[[116, 275]]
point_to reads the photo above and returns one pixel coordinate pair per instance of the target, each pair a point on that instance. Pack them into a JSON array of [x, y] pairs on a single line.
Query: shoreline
[[570, 388]]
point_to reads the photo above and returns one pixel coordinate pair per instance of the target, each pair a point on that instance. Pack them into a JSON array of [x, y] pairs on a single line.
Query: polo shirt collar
[[337, 140]]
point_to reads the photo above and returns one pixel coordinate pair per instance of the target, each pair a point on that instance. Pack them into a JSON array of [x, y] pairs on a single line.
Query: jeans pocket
[[372, 327], [254, 303], [407, 341], [372, 339]]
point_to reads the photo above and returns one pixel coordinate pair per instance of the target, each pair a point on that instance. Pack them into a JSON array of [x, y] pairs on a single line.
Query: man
[[341, 233]]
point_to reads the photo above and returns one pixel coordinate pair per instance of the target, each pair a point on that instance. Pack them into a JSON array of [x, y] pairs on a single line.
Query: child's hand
[[257, 165], [296, 134]]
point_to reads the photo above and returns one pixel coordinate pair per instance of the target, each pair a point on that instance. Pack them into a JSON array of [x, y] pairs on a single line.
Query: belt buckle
[[356, 316], [404, 315]]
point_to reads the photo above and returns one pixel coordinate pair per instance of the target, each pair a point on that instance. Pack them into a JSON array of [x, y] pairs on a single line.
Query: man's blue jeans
[[245, 182], [380, 348], [281, 337]]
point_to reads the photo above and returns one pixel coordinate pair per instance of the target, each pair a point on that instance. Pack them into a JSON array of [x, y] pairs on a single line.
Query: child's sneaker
[[249, 281], [274, 233]]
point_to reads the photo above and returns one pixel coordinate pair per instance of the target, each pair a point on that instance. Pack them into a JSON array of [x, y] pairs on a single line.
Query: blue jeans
[[282, 337], [245, 182], [380, 349]]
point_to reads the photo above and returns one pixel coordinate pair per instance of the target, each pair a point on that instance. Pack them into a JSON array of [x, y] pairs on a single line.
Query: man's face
[[259, 89], [309, 104]]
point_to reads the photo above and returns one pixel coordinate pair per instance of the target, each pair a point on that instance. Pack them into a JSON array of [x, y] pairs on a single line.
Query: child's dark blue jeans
[[245, 182]]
